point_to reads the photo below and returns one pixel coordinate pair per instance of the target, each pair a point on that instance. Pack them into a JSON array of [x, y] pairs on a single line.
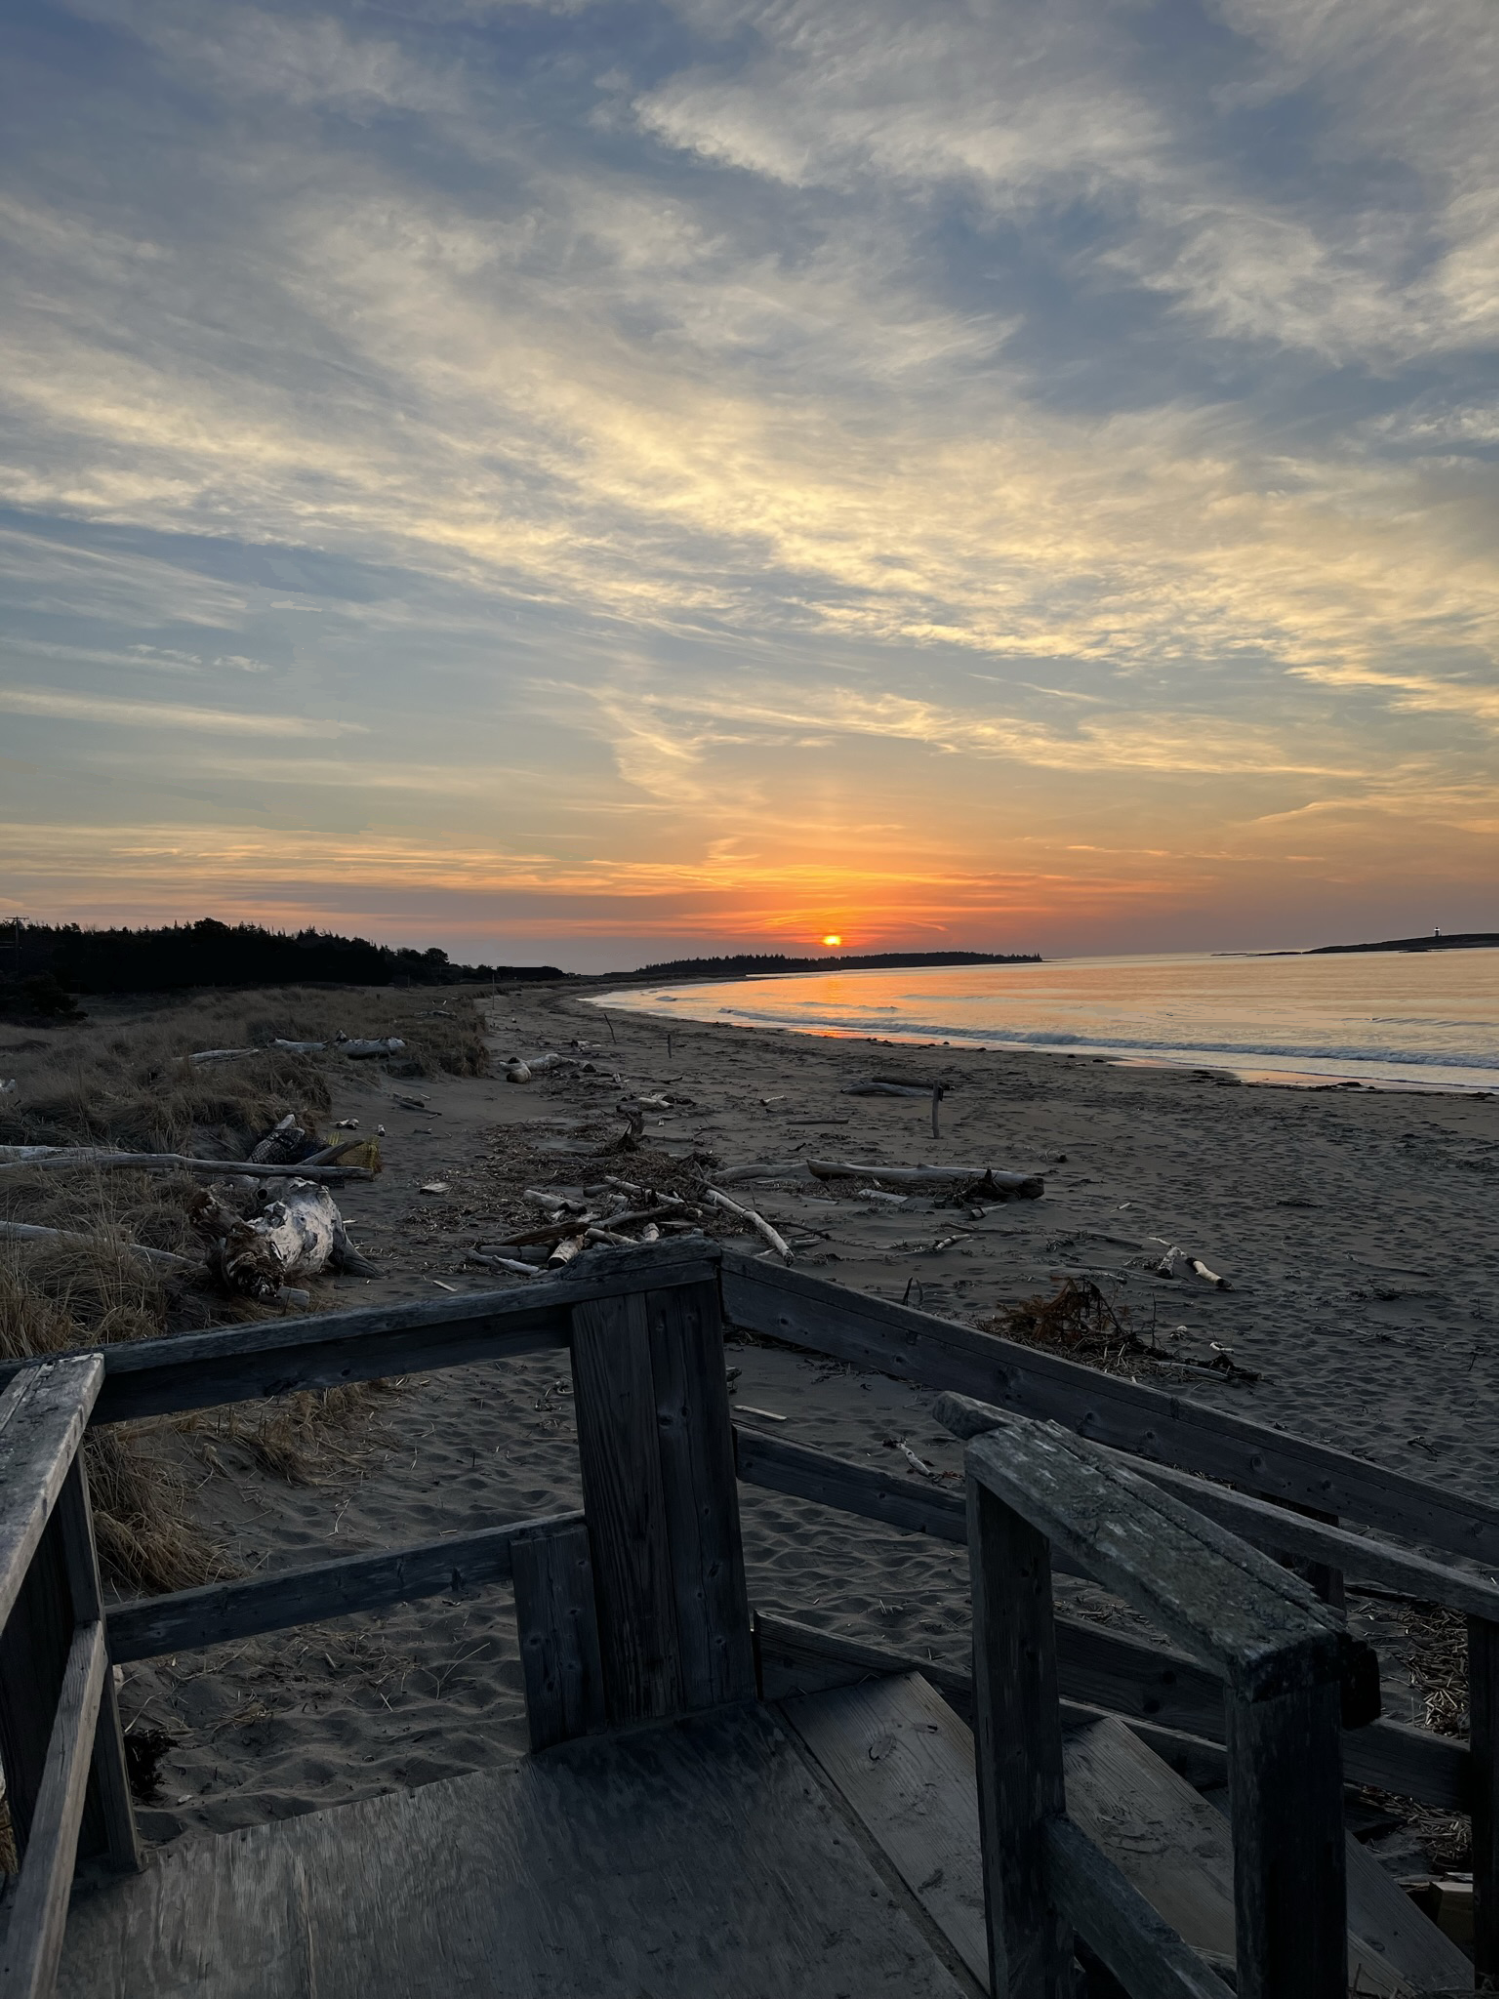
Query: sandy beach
[[1354, 1229]]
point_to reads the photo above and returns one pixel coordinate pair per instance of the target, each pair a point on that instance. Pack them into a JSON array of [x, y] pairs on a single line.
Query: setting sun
[[833, 938]]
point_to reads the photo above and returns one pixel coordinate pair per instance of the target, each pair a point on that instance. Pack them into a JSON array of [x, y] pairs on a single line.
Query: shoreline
[[1258, 1067]]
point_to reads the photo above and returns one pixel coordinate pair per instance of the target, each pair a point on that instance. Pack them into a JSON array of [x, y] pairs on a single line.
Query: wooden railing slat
[[1145, 1422], [279, 1356], [39, 1910], [221, 1612]]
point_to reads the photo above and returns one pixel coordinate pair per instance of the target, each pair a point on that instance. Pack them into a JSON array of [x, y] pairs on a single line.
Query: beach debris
[[409, 1103], [517, 1072], [1178, 1263], [300, 1047], [635, 1126], [347, 1124], [759, 1223], [880, 1194], [565, 1250], [972, 1181], [9, 1087], [442, 1286], [917, 1464], [300, 1233], [361, 1051], [34, 1232], [1077, 1315], [221, 1054], [433, 1187], [21, 1158], [510, 1263], [765, 1415], [285, 1142]]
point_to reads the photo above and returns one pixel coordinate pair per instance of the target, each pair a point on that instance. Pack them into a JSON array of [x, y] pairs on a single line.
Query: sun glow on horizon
[[833, 938]]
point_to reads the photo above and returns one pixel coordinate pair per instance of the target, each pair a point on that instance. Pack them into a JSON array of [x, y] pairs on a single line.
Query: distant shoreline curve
[[1461, 940]]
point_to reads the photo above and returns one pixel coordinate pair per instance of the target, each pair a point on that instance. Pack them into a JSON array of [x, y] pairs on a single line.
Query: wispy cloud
[[115, 713], [1057, 421]]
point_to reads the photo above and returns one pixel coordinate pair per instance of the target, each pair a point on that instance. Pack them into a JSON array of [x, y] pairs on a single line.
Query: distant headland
[[770, 965], [1440, 940]]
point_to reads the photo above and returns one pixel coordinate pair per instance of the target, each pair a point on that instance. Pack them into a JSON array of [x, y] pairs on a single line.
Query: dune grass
[[123, 1078]]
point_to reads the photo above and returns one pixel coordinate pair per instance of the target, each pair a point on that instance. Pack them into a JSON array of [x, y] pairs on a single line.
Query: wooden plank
[[699, 1494], [558, 1632], [614, 1405], [109, 1815], [1170, 1844], [1147, 1422], [1018, 1747], [1134, 1790], [781, 1466], [1171, 1702], [1483, 1723], [1222, 1601], [1144, 1953], [1174, 1846], [1286, 1807], [43, 1425], [701, 1860], [221, 1612], [904, 1764], [279, 1356], [39, 1910]]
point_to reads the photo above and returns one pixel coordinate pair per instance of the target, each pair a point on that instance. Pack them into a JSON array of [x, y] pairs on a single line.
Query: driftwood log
[[298, 1235], [34, 1232], [1029, 1186], [759, 1223], [363, 1050]]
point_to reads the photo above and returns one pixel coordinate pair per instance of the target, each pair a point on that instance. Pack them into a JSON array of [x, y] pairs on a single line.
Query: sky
[[599, 482]]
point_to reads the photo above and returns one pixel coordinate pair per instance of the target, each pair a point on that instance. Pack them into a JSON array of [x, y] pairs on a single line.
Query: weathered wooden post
[[661, 1503], [1286, 1807], [558, 1630], [1018, 1748]]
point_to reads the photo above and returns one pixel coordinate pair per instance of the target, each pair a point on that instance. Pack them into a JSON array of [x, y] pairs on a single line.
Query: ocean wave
[[1060, 1038]]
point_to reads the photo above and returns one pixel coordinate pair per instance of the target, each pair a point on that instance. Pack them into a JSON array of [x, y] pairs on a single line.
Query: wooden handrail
[[42, 1418], [1148, 1423]]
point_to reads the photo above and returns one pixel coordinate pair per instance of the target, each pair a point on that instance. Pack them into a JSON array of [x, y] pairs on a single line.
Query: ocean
[[1392, 1019]]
